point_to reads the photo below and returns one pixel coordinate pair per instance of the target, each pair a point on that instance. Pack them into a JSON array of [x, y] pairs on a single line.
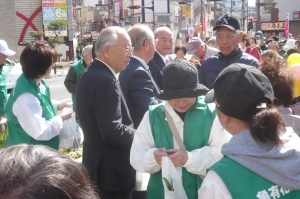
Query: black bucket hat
[[180, 79]]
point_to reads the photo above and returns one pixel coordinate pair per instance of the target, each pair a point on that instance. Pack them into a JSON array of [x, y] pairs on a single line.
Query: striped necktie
[[154, 83]]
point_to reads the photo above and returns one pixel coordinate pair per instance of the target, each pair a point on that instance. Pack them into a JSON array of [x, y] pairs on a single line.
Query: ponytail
[[266, 125]]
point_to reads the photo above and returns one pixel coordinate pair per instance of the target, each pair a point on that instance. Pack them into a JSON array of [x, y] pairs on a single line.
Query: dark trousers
[[116, 194], [139, 195]]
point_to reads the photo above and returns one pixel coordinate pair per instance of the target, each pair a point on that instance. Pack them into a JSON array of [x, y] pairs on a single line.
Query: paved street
[[58, 90]]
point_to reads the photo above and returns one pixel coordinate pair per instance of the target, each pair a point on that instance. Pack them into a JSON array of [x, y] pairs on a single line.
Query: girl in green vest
[[262, 158], [30, 113], [193, 119]]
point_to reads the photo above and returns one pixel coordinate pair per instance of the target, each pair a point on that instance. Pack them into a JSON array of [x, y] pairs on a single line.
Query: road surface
[[58, 90]]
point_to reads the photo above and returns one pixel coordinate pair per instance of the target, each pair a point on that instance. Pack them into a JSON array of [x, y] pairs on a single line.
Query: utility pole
[[248, 17], [231, 7], [201, 30], [243, 14], [153, 15], [151, 8], [215, 20], [70, 28], [132, 13], [258, 26]]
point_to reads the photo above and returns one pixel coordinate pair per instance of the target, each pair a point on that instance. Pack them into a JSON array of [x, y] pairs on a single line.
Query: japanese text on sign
[[273, 26]]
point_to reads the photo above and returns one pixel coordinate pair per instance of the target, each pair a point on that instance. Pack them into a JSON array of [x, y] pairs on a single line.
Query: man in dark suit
[[104, 116], [163, 47], [136, 82]]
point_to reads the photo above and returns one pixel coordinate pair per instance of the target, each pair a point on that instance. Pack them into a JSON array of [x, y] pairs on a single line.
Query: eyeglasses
[[129, 50], [229, 36]]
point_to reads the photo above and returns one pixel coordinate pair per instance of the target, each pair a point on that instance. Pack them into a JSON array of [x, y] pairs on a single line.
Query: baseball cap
[[237, 88], [258, 34], [229, 21], [194, 44], [5, 50]]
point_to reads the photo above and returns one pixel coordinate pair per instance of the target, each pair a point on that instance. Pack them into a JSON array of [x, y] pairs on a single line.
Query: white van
[[13, 72]]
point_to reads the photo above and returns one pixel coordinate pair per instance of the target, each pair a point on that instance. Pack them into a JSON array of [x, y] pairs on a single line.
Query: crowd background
[[125, 85]]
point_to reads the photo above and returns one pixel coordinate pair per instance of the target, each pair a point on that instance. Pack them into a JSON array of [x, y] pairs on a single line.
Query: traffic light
[[134, 7]]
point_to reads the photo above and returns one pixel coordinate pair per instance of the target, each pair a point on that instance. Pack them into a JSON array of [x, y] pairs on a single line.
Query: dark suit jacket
[[108, 129], [138, 90], [156, 66]]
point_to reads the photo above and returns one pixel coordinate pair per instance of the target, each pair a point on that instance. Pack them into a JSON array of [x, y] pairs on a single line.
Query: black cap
[[229, 21], [237, 87], [180, 79]]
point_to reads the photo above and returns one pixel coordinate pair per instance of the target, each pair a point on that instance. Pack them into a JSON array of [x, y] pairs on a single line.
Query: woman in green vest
[[30, 113], [262, 158], [193, 119]]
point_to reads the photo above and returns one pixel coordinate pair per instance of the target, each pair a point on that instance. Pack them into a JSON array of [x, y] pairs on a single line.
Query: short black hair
[[181, 47], [36, 59], [37, 171]]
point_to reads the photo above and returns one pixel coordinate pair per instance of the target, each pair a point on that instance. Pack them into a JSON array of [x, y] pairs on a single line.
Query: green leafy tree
[[57, 26], [53, 42], [26, 43], [36, 34]]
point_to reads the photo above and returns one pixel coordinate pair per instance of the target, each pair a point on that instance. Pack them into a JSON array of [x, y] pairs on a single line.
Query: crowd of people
[[224, 111]]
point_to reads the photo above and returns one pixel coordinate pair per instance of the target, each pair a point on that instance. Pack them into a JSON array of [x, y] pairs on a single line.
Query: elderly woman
[[30, 112], [180, 51], [193, 119], [263, 156]]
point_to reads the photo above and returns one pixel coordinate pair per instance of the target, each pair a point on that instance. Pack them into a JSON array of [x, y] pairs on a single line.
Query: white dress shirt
[[143, 146], [149, 72], [213, 187], [28, 110], [164, 58]]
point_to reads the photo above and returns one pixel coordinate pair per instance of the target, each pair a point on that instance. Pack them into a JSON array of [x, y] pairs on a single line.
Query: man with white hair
[[104, 116], [163, 47], [137, 84], [4, 53], [75, 71]]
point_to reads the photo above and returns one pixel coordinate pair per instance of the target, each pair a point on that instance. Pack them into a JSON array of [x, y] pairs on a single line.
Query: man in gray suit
[[137, 84]]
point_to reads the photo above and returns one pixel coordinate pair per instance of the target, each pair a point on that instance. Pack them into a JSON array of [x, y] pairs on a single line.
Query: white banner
[[49, 33]]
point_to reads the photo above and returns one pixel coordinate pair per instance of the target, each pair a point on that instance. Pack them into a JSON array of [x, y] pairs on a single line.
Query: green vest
[[16, 134], [245, 184], [3, 91], [78, 68], [197, 124]]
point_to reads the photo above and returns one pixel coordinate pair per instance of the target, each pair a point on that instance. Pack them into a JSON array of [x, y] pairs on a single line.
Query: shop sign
[[50, 33], [273, 26]]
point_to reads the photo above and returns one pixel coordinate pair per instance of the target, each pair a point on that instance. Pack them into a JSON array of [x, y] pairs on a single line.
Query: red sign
[[48, 3], [203, 23], [74, 12], [254, 17]]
